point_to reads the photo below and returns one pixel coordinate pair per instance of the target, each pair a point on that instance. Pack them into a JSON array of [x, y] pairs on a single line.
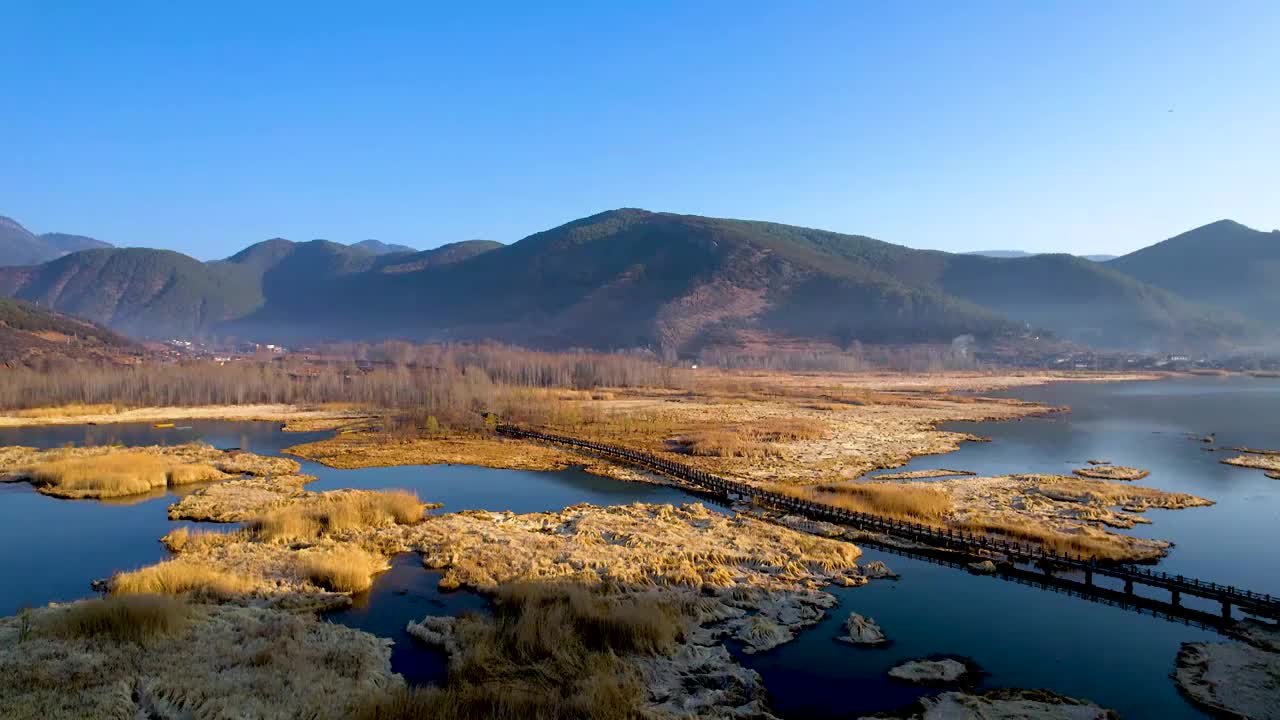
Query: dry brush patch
[[1061, 512], [181, 576], [548, 651], [336, 512], [135, 618], [115, 472], [157, 657], [902, 501]]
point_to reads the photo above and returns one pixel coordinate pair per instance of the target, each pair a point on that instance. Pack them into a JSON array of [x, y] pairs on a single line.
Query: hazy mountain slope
[[443, 255], [143, 292], [377, 247], [623, 278], [19, 246], [1088, 302], [28, 332], [1223, 263], [1001, 253], [68, 243]]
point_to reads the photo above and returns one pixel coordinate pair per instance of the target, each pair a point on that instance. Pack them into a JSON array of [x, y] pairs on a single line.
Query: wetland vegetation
[[613, 611]]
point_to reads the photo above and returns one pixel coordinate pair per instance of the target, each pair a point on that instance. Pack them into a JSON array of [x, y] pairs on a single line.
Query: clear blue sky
[[1042, 126]]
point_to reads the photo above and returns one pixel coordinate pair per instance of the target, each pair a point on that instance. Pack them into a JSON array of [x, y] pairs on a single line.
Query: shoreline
[[295, 418]]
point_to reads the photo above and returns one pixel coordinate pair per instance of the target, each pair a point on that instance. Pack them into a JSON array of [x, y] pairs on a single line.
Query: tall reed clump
[[180, 577], [332, 514], [116, 474], [753, 440], [910, 501], [134, 618], [342, 570], [1101, 547], [548, 653], [111, 475]]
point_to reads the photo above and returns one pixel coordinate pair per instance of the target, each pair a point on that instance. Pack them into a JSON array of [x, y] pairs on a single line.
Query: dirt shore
[[296, 418]]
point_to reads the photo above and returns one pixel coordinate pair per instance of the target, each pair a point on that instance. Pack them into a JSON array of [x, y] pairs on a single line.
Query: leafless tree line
[[446, 385]]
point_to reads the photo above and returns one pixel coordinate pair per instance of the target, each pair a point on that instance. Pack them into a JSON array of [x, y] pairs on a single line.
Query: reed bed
[[348, 511], [116, 474], [913, 502], [549, 652], [180, 577], [343, 570], [132, 618], [1100, 547]]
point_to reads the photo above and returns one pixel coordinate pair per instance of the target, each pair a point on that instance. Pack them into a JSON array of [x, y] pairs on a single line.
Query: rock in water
[[863, 631], [930, 672], [1009, 705], [983, 567], [1231, 678]]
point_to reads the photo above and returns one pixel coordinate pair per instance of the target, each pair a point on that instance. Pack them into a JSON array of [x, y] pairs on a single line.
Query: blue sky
[[204, 127]]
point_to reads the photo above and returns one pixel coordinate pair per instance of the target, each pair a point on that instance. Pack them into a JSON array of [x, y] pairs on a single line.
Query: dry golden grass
[[111, 475], [185, 539], [133, 618], [788, 429], [67, 411], [756, 440], [194, 473], [180, 577], [349, 511], [342, 570], [723, 443], [1083, 544], [116, 474], [549, 652], [913, 502]]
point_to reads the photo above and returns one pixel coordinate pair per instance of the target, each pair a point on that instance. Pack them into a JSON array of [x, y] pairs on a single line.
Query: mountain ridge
[[625, 278]]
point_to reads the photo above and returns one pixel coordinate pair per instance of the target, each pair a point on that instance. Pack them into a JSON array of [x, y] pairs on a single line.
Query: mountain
[[140, 291], [19, 246], [624, 278], [1024, 254], [65, 243], [630, 277], [1223, 263], [29, 333], [1001, 253], [378, 247]]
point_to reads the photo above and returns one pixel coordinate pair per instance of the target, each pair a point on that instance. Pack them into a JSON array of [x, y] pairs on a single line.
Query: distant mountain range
[[19, 246], [1023, 254], [678, 283]]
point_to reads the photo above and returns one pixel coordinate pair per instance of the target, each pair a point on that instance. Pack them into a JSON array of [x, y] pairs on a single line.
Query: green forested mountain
[[1223, 263], [625, 278]]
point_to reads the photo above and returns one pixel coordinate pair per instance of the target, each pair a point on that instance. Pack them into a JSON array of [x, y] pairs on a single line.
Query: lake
[[1021, 636]]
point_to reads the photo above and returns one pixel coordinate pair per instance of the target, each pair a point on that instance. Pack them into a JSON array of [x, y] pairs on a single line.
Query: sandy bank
[[297, 418]]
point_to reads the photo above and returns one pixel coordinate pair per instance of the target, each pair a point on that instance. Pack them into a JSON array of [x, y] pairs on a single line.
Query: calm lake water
[[54, 548], [1021, 636]]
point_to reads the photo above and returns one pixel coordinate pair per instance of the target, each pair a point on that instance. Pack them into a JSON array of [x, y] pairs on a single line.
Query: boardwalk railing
[[1254, 603]]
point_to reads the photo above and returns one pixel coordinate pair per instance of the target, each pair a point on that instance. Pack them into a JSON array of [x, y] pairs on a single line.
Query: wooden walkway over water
[[980, 545]]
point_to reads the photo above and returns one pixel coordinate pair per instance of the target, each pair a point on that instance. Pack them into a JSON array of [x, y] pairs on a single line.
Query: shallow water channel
[[1021, 636]]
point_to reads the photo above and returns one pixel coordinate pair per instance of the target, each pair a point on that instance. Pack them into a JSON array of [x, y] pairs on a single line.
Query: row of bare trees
[[453, 385]]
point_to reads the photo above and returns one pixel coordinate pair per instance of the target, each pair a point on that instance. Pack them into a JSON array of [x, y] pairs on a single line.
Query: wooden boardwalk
[[1228, 597]]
